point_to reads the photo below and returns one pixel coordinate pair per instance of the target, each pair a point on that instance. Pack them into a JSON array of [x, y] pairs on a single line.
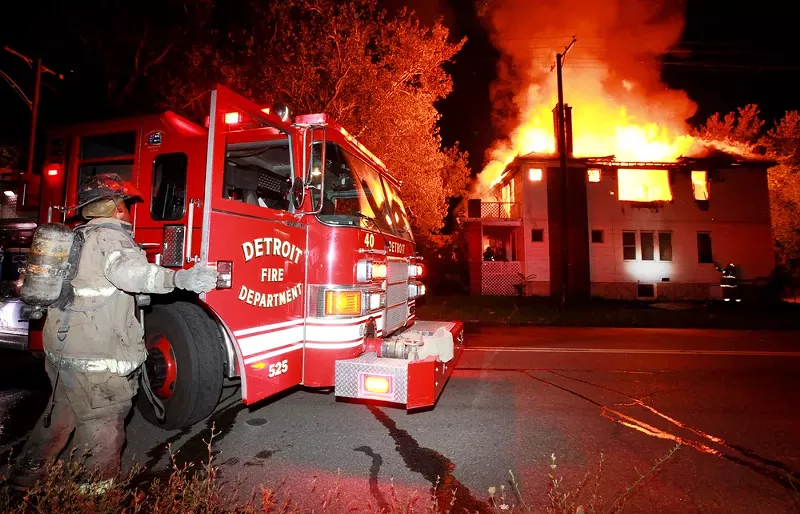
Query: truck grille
[[396, 295]]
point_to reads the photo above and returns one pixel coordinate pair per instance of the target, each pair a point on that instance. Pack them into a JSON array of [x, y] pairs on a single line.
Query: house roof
[[713, 159]]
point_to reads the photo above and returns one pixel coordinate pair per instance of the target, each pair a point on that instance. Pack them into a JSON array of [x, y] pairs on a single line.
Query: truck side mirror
[[298, 192]]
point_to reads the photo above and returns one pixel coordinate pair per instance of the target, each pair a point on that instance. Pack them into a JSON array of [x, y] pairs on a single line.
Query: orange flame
[[623, 126], [611, 79]]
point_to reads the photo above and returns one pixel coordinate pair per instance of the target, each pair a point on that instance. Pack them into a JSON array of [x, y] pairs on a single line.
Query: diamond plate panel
[[172, 248], [349, 370], [8, 207], [429, 327]]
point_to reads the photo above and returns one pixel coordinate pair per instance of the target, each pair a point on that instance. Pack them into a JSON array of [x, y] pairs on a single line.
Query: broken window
[[700, 185], [637, 185], [665, 246], [629, 246], [594, 175], [597, 236], [537, 235], [648, 246], [704, 255]]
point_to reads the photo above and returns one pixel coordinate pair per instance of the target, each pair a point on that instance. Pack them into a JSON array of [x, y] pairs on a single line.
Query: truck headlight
[[415, 290], [375, 300], [367, 270]]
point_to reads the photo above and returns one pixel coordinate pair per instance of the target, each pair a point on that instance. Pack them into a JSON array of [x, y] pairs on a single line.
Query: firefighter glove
[[198, 279]]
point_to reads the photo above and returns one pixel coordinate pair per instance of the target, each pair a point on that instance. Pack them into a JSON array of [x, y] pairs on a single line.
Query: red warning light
[[232, 118]]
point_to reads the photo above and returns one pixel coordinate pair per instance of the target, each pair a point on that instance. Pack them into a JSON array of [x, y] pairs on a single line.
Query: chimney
[[568, 125]]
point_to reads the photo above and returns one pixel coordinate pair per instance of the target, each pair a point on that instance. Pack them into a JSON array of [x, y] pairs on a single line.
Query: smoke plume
[[611, 78]]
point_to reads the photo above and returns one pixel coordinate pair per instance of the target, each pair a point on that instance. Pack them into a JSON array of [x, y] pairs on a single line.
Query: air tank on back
[[47, 266]]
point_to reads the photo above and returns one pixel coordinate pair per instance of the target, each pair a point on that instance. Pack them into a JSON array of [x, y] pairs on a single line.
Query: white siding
[[537, 255], [737, 218]]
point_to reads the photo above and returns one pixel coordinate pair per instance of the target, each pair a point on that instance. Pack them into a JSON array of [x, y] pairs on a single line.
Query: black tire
[[197, 344]]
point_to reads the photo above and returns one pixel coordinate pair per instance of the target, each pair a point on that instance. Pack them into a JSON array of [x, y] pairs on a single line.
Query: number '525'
[[278, 368]]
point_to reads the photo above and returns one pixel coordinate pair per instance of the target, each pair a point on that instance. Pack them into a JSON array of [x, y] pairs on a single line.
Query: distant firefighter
[[729, 282]]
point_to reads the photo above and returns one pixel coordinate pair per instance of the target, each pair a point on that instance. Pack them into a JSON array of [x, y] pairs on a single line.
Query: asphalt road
[[519, 396]]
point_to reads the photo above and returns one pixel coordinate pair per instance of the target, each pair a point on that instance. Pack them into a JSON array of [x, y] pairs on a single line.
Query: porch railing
[[500, 210]]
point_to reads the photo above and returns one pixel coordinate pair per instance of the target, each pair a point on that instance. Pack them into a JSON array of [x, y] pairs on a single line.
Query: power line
[[16, 88]]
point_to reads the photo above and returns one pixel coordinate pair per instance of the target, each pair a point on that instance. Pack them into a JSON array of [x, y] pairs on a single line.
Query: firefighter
[[95, 347], [729, 282]]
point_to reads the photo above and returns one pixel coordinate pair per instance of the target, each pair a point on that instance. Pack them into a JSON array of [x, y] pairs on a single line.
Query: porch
[[501, 278]]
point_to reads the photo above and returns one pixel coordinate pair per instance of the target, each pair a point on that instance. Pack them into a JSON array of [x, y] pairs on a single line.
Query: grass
[[609, 313], [199, 489]]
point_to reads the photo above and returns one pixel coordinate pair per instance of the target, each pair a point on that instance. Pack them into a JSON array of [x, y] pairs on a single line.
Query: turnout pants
[[92, 408]]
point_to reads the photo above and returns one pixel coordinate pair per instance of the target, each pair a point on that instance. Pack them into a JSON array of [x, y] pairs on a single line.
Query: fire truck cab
[[318, 276]]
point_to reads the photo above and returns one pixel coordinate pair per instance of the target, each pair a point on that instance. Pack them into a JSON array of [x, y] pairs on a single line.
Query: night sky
[[731, 54]]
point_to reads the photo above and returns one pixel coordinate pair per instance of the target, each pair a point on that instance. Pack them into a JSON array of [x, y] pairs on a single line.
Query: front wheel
[[184, 364]]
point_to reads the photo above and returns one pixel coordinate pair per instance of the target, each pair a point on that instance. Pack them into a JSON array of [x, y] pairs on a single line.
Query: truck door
[[252, 234]]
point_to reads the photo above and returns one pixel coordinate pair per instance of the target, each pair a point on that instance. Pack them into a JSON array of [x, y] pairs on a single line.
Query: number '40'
[[369, 240], [278, 368]]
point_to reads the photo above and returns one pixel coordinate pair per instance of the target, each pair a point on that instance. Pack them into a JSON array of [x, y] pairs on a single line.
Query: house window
[[537, 235], [597, 236], [646, 290], [593, 175], [629, 246], [665, 246], [535, 174], [700, 185], [704, 255], [638, 185], [648, 246]]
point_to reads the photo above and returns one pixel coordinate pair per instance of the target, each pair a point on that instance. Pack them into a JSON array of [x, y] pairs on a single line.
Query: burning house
[[620, 229], [615, 198]]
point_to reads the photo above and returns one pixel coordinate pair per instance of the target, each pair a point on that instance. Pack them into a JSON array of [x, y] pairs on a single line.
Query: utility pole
[[34, 104], [562, 146], [34, 112]]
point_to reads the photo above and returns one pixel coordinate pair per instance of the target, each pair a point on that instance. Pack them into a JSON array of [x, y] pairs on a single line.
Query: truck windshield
[[357, 195]]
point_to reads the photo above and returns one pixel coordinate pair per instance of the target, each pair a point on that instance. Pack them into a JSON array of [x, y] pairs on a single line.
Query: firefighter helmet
[[106, 186]]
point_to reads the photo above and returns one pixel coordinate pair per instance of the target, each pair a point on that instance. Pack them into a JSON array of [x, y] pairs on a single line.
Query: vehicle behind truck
[[318, 275]]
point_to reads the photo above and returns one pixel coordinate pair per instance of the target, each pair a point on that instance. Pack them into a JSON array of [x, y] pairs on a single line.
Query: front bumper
[[415, 382]]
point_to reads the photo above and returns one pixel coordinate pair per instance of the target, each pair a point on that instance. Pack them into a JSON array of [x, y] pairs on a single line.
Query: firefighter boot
[[99, 440], [45, 443]]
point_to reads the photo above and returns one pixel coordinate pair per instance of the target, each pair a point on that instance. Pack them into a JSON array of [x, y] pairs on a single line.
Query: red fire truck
[[318, 276]]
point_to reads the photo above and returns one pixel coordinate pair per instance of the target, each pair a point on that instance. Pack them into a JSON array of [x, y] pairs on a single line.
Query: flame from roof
[[611, 79]]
